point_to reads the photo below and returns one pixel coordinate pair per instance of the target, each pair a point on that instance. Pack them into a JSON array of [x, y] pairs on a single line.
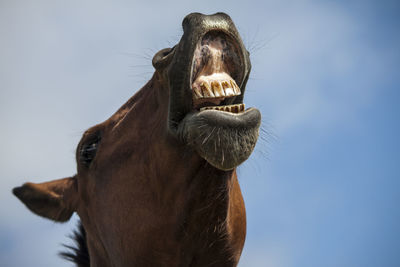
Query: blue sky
[[322, 189]]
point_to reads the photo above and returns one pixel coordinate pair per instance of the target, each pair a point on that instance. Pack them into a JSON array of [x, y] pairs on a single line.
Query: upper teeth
[[215, 89]]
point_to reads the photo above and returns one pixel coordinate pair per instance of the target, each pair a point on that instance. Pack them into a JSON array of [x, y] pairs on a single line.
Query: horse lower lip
[[244, 119], [224, 139]]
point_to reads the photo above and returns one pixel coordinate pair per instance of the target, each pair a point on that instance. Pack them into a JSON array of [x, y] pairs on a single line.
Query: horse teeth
[[238, 108], [225, 84], [235, 87], [197, 92], [217, 88], [235, 109], [207, 92], [229, 92]]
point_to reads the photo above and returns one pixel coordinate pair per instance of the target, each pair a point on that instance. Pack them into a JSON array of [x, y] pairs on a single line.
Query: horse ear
[[55, 200]]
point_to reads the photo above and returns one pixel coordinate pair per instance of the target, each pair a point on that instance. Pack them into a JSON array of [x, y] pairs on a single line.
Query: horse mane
[[77, 253]]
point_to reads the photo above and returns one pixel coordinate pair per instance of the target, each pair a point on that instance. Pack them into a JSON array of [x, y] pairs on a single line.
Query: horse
[[156, 183]]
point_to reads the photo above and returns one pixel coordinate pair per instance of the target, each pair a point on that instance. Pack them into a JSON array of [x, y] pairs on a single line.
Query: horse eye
[[88, 151]]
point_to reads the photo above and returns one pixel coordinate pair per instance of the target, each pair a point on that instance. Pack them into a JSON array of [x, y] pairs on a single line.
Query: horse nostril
[[162, 57], [168, 51]]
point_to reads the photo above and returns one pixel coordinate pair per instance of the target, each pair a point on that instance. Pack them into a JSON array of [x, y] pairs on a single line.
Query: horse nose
[[189, 19], [216, 21]]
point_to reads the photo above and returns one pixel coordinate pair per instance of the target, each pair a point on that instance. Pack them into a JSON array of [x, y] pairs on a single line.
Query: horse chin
[[223, 139]]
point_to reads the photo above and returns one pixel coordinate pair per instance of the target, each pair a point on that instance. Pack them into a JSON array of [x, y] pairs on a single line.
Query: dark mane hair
[[77, 253]]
